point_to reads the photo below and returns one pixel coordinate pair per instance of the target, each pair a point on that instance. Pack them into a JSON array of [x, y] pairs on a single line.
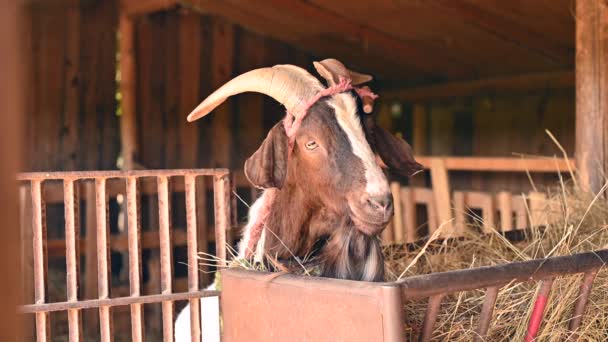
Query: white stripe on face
[[345, 108]]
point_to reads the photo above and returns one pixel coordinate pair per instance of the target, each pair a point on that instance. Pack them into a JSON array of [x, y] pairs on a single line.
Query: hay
[[579, 224]]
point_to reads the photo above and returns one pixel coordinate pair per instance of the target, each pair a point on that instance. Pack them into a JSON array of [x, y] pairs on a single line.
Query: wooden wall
[[182, 57], [499, 125], [71, 122]]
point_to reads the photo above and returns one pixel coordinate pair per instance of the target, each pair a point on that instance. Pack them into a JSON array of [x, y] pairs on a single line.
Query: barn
[[499, 100]]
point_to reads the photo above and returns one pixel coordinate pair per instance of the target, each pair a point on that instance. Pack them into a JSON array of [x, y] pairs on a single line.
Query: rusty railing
[[41, 308], [436, 286]]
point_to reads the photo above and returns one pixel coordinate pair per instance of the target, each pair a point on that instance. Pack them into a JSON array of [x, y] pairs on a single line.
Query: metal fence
[[436, 286], [41, 308]]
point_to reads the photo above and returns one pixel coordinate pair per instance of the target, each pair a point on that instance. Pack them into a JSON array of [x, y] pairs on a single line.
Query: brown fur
[[317, 191]]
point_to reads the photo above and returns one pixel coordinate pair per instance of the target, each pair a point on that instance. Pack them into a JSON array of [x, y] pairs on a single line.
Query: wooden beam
[[507, 84], [13, 38], [591, 145], [141, 7], [263, 25], [498, 164], [441, 191], [284, 20], [128, 129], [507, 30]]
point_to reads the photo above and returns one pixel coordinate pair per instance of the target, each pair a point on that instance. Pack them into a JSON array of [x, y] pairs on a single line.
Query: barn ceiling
[[416, 41]]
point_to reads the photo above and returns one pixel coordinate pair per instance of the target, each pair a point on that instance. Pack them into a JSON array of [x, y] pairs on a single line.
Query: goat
[[320, 171]]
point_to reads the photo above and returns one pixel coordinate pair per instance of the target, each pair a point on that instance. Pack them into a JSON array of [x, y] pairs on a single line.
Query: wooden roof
[[409, 42]]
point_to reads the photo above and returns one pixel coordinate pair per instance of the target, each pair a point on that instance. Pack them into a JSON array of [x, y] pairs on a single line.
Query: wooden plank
[[518, 84], [500, 164], [483, 201], [416, 54], [150, 85], [427, 197], [13, 22], [69, 145], [520, 207], [537, 202], [398, 218], [591, 93], [171, 115], [222, 62], [189, 84], [408, 205], [250, 107], [141, 7], [441, 191], [507, 30], [460, 213], [505, 201], [98, 130], [128, 90], [292, 32]]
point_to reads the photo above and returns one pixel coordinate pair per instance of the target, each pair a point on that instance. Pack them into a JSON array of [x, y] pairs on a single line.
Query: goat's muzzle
[[371, 214]]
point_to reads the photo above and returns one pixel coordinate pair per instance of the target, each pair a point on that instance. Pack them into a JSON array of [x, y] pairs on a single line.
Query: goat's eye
[[311, 145]]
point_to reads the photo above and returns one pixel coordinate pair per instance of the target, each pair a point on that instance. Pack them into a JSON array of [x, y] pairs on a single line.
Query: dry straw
[[579, 223]]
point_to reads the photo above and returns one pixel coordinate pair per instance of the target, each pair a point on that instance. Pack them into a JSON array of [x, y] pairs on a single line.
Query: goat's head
[[333, 155]]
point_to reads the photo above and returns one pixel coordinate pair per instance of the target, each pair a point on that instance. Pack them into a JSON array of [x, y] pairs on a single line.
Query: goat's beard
[[350, 254]]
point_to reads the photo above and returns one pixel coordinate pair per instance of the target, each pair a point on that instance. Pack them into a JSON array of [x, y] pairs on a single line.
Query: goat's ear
[[267, 167], [394, 153]]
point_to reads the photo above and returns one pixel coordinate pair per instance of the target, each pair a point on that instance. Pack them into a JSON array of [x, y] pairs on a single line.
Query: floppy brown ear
[[395, 152], [267, 167]]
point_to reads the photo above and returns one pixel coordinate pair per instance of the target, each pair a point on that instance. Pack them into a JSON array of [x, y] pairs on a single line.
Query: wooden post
[[591, 93], [441, 192], [12, 111], [128, 131], [419, 136]]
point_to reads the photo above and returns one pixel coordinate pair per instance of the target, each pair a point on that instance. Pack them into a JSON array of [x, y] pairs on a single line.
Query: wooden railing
[[452, 208]]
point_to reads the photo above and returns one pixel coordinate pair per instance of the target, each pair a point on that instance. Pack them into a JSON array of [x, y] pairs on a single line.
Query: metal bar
[[193, 285], [72, 257], [430, 317], [137, 332], [43, 331], [233, 217], [203, 228], [27, 259], [221, 195], [61, 175], [110, 302], [88, 248], [539, 309], [166, 260], [464, 280], [103, 259], [581, 304], [486, 313]]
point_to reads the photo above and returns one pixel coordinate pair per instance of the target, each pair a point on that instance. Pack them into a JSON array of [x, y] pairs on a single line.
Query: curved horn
[[288, 84], [332, 69]]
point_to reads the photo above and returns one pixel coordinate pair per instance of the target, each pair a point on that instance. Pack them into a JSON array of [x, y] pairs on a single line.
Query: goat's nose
[[381, 203]]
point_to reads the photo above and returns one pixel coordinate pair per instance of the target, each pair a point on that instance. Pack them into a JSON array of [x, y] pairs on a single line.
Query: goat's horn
[[288, 84], [332, 69]]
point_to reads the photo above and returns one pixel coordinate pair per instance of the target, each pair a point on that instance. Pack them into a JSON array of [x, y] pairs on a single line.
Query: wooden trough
[[265, 307]]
